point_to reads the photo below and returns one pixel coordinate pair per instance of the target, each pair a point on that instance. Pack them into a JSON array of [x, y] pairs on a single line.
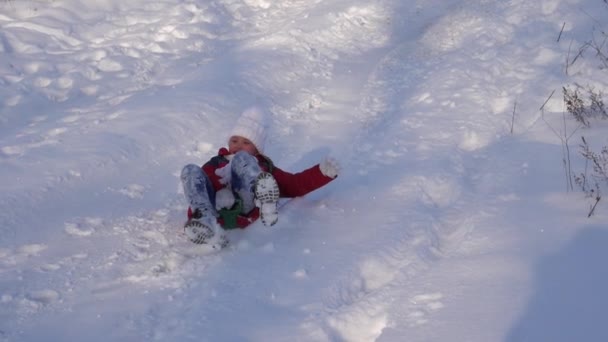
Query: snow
[[443, 225]]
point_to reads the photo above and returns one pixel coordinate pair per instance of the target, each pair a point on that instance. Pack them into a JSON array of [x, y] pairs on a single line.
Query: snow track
[[397, 100], [102, 103], [364, 300], [134, 253]]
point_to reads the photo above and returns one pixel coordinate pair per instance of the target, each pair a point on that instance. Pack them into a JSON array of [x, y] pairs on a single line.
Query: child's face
[[236, 144]]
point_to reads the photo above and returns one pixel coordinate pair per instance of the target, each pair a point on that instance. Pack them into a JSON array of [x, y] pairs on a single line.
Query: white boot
[[266, 192], [203, 229]]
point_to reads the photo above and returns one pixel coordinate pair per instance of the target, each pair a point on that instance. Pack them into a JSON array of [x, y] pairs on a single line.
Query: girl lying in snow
[[241, 184]]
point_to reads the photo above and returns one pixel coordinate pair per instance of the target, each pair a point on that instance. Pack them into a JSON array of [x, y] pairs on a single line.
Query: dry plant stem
[[565, 143], [513, 117], [598, 50], [579, 54], [561, 31], [547, 100], [597, 200], [566, 153]]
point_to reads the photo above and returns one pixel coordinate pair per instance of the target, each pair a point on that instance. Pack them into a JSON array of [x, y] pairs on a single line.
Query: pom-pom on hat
[[252, 125]]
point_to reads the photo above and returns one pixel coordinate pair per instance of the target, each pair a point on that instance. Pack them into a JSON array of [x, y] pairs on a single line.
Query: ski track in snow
[[360, 306], [143, 256], [98, 263]]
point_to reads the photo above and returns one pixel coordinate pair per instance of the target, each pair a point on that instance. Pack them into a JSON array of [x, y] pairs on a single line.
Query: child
[[241, 184]]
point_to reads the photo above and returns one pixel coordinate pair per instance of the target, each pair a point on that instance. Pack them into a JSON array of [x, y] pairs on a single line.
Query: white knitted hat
[[252, 125]]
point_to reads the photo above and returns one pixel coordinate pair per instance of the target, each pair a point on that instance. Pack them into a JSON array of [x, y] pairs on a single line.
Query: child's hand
[[330, 167], [224, 173], [224, 198]]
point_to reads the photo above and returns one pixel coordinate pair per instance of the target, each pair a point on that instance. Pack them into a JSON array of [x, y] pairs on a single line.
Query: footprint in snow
[[43, 297], [83, 227], [425, 305]]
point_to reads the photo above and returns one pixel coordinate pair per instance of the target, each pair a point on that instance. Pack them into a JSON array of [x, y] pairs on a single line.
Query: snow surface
[[443, 226]]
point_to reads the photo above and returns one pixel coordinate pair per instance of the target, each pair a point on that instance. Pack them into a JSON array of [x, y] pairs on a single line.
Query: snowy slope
[[443, 226]]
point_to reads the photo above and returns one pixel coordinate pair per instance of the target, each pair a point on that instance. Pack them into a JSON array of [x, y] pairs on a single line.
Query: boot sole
[[267, 195], [198, 232]]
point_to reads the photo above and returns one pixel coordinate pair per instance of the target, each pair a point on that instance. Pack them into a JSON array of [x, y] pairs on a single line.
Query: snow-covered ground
[[446, 224]]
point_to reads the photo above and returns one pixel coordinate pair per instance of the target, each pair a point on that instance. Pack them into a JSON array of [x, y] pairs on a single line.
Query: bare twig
[[547, 100], [562, 30], [513, 116], [568, 57], [566, 147], [578, 55], [600, 173], [597, 22], [565, 138], [583, 183], [598, 50], [580, 52], [597, 200]]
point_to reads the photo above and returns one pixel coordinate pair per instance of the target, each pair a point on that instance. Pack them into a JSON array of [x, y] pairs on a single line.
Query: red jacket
[[290, 184]]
